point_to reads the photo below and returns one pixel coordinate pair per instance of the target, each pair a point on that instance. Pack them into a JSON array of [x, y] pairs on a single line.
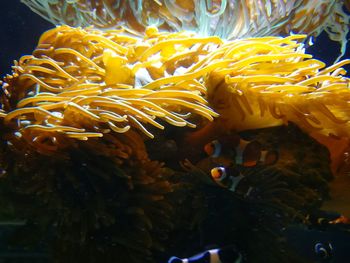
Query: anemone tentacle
[[228, 19], [86, 83]]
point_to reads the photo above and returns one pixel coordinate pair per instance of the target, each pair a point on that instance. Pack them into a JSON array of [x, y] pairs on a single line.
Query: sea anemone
[[97, 205], [271, 81], [229, 19], [80, 84], [72, 139], [84, 83], [76, 113]]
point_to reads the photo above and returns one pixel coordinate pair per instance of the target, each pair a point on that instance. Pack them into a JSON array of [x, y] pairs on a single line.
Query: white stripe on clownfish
[[213, 255], [222, 178]]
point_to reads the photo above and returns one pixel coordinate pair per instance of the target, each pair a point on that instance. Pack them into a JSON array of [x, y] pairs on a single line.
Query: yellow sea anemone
[[229, 19], [85, 83], [270, 81]]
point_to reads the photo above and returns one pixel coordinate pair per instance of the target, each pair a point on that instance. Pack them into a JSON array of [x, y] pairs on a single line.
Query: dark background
[[20, 29]]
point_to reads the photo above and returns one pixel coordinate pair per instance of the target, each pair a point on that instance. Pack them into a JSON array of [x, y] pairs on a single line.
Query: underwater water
[[266, 193]]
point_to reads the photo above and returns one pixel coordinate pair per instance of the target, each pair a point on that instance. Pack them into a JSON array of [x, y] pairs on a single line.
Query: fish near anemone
[[85, 83], [229, 19], [244, 153]]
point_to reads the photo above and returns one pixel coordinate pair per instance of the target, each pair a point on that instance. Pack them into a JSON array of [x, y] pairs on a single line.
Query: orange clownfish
[[245, 153], [225, 177]]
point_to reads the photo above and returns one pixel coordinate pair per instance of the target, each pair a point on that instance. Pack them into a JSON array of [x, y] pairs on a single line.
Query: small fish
[[226, 177], [219, 255], [231, 179], [323, 250], [245, 153]]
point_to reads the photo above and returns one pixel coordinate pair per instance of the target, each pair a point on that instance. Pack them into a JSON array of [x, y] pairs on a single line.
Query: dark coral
[[100, 200], [304, 162]]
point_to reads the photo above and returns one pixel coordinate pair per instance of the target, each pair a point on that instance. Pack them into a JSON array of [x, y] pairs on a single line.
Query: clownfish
[[218, 255], [225, 177], [323, 250], [245, 153], [231, 179]]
